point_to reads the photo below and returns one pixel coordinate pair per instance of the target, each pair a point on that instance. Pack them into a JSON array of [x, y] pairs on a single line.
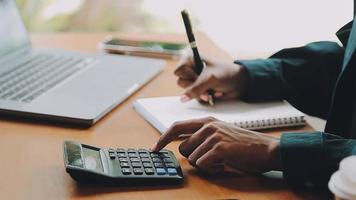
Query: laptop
[[59, 85]]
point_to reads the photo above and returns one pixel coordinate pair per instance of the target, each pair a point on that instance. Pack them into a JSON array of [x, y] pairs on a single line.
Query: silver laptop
[[60, 85]]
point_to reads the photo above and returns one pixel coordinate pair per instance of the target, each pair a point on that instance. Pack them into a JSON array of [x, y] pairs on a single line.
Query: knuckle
[[213, 139], [210, 119], [182, 83], [180, 70], [219, 147], [210, 126], [217, 136], [185, 71], [214, 124], [176, 125], [179, 67]]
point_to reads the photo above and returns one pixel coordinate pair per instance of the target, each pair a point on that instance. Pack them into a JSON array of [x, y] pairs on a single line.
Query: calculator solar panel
[[88, 164]]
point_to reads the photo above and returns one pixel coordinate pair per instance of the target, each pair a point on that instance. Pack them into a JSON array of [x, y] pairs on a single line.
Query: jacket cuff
[[265, 79], [301, 155]]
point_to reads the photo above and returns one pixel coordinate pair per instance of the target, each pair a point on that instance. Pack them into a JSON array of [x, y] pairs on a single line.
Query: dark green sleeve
[[304, 76], [311, 158]]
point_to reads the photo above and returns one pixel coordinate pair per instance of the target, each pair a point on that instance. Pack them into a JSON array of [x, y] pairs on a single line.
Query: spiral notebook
[[162, 112]]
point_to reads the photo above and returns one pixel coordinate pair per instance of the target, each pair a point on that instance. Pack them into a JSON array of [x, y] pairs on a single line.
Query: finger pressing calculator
[[89, 164]]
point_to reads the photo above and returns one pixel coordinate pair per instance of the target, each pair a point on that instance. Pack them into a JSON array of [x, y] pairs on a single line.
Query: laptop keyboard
[[38, 74]]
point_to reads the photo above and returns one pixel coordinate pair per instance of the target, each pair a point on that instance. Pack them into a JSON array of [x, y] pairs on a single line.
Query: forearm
[[264, 80], [304, 76]]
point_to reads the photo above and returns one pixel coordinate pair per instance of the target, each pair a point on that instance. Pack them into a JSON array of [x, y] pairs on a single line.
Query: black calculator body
[[93, 165]]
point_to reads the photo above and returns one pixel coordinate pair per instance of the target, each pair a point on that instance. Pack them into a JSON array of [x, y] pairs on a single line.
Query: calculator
[[93, 165]]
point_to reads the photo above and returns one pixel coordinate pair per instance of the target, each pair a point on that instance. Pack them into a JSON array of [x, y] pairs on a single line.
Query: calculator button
[[132, 155], [134, 160], [111, 151], [135, 164], [167, 160], [161, 171], [165, 155], [112, 155], [158, 164], [144, 155], [142, 151], [120, 150], [123, 160], [121, 155], [124, 164], [146, 164], [131, 150], [154, 155], [126, 171], [145, 160], [156, 160], [172, 171], [169, 165], [149, 171], [138, 171]]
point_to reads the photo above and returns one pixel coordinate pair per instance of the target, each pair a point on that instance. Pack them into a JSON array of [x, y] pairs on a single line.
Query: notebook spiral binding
[[271, 123]]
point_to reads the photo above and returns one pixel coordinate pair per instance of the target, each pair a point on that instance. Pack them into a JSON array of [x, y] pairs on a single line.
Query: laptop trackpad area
[[97, 89]]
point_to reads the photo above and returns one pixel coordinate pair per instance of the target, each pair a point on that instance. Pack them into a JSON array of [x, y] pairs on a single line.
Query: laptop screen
[[13, 34]]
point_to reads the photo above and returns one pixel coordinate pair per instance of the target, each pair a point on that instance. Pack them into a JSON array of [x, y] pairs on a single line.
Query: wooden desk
[[32, 158]]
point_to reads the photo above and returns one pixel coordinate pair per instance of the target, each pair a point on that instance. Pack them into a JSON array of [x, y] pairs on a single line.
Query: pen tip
[[211, 100]]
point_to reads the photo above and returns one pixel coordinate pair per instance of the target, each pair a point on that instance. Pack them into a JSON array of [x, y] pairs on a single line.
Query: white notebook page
[[162, 112]]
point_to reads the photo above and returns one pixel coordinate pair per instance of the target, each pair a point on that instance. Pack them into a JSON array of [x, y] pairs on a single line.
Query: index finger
[[179, 128], [185, 61]]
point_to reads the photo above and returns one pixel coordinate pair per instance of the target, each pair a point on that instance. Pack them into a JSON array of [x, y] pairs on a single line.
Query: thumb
[[200, 86]]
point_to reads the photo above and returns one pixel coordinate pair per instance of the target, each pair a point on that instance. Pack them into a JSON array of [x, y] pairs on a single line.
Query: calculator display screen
[[92, 159]]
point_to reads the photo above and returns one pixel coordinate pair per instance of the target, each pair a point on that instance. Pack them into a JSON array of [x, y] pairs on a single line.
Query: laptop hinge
[[17, 55]]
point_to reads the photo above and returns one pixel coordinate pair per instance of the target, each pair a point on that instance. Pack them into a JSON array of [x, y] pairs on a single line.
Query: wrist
[[274, 155], [243, 80]]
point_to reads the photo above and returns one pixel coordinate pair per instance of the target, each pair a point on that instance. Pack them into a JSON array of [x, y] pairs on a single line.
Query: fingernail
[[204, 97], [184, 98], [154, 147], [218, 94], [198, 162]]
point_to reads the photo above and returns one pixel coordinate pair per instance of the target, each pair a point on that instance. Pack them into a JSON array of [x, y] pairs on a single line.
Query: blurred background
[[241, 27]]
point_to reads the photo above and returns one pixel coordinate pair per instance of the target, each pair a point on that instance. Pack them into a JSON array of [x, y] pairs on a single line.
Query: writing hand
[[228, 80]]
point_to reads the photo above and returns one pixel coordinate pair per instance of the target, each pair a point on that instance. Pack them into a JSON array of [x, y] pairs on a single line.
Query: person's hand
[[229, 80], [214, 145]]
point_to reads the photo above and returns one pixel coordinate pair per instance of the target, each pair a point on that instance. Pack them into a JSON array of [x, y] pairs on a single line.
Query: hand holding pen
[[208, 80], [198, 63]]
